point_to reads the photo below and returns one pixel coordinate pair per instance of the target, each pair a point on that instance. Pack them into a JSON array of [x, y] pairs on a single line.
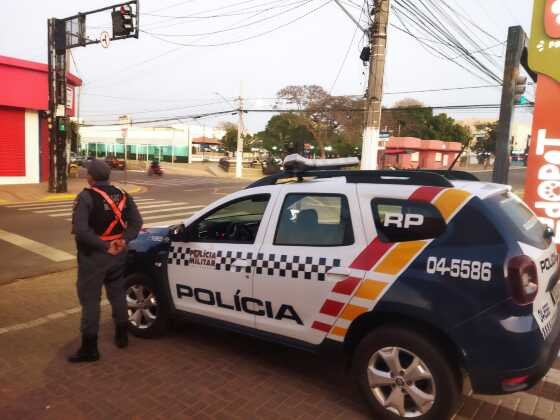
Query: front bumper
[[495, 351]]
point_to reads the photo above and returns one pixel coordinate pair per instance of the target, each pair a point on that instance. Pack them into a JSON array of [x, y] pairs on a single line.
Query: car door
[[303, 271], [209, 269]]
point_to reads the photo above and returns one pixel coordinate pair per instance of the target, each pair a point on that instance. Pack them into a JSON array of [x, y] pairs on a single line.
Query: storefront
[[24, 138]]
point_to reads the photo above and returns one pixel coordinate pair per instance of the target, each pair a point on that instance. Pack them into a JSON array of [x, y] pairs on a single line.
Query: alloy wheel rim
[[142, 306], [401, 382]]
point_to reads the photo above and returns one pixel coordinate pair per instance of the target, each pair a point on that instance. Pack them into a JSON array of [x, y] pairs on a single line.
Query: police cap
[[98, 170]]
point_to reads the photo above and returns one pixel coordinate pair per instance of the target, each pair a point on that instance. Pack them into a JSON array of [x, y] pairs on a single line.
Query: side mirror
[[181, 233]]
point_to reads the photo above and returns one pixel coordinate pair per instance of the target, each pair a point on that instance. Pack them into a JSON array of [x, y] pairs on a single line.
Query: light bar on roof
[[297, 163]]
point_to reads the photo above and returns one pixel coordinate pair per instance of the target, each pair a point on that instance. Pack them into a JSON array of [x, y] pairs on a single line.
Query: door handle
[[339, 272], [241, 263]]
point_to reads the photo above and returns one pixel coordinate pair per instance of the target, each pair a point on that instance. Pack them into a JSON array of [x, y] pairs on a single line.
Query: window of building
[[438, 157], [415, 157]]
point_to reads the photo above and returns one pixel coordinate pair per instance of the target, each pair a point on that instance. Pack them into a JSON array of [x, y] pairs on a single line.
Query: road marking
[[166, 223], [38, 248], [67, 207], [61, 213], [171, 209], [44, 319], [51, 205], [39, 203], [165, 215]]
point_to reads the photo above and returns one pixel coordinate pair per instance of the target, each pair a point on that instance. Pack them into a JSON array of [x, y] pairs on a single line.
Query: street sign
[[544, 46], [105, 38], [69, 97]]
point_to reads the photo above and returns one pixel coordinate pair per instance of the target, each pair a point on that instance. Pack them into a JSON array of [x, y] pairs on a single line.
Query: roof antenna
[[458, 156]]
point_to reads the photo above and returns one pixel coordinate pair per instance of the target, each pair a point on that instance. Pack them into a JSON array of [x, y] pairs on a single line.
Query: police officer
[[104, 220]]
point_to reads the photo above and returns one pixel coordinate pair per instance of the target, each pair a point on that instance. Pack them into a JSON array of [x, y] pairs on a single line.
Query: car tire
[[423, 384], [148, 312]]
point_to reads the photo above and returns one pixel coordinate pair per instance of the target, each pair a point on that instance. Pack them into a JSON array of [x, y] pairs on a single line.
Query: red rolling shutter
[[12, 142]]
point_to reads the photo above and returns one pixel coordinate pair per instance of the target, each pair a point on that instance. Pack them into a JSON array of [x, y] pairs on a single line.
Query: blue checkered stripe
[[278, 265], [178, 255]]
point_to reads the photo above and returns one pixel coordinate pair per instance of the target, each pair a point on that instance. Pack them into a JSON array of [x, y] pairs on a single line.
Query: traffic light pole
[[52, 107], [516, 42], [64, 34]]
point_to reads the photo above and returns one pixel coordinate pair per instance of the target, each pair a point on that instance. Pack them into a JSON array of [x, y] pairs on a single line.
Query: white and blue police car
[[419, 278]]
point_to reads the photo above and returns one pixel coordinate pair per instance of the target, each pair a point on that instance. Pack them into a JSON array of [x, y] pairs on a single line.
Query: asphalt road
[[169, 200]]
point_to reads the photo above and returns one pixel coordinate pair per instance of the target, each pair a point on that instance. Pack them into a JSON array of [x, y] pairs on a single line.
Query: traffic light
[[123, 24], [520, 86]]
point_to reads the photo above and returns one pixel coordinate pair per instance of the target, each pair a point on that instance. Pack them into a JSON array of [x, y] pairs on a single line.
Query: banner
[[542, 182]]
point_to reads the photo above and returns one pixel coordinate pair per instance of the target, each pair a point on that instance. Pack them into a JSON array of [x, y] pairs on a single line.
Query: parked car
[[77, 159], [114, 162], [415, 279]]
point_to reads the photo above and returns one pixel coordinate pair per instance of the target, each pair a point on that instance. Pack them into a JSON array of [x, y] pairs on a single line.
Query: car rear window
[[519, 220]]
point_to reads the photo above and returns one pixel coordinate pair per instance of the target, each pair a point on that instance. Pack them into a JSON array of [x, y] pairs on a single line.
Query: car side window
[[405, 220], [235, 222], [314, 220]]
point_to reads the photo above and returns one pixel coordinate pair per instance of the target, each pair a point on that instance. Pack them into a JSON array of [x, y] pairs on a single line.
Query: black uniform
[[96, 267]]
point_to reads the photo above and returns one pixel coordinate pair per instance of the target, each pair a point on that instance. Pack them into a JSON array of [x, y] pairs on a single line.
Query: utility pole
[[63, 35], [378, 46], [240, 130], [516, 43]]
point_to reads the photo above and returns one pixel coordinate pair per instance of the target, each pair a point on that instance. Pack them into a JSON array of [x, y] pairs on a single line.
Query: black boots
[[121, 335], [87, 352]]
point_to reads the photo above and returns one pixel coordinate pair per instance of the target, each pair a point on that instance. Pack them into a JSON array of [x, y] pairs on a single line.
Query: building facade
[[24, 137], [177, 143], [414, 153]]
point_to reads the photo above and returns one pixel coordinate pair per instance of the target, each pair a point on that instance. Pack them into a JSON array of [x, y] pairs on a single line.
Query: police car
[[419, 278]]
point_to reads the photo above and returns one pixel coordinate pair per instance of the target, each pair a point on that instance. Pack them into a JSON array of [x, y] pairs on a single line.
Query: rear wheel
[[148, 316], [403, 374]]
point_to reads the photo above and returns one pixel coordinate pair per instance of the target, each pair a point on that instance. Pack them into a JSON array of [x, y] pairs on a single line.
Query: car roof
[[481, 189]]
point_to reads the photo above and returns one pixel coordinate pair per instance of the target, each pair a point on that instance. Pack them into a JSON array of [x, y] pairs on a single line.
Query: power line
[[444, 89], [299, 4], [347, 53], [242, 39]]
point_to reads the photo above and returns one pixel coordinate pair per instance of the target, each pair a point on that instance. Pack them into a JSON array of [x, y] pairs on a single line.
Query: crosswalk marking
[[54, 204], [161, 208], [38, 248], [164, 215], [165, 223], [172, 208], [140, 205]]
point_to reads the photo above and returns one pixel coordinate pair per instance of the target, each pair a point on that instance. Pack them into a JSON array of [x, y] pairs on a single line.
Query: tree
[[485, 145], [229, 141], [326, 117], [285, 132], [411, 118]]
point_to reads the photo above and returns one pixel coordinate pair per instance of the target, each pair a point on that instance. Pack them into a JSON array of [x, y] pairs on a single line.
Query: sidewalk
[[192, 372], [12, 194]]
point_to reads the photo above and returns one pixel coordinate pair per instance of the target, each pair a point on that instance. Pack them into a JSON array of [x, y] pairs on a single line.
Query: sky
[[149, 78]]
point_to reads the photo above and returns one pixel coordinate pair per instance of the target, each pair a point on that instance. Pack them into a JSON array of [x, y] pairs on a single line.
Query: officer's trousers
[[96, 269]]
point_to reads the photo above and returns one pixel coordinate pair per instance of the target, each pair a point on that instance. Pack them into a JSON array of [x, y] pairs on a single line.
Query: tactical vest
[[106, 218]]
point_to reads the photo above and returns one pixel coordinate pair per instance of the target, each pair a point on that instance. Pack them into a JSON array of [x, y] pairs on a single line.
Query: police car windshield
[[520, 221]]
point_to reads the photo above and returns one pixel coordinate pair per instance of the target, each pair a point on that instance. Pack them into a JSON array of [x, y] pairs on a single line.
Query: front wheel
[[403, 374], [148, 316]]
